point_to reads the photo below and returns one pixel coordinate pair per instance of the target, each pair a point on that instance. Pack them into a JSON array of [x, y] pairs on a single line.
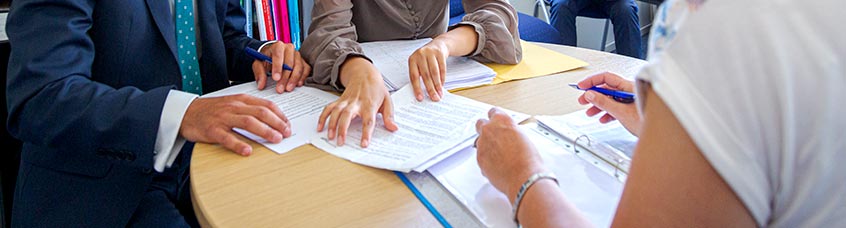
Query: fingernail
[[331, 134], [419, 97], [277, 76], [589, 95], [246, 151], [340, 141], [365, 143], [277, 137]]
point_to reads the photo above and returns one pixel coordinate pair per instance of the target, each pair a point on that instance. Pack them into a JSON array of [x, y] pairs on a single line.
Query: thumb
[[605, 103]]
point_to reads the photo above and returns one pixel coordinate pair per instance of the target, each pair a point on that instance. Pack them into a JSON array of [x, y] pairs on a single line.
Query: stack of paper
[[391, 58], [428, 131]]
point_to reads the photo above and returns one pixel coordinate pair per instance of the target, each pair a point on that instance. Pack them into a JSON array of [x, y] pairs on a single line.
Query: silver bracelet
[[525, 187]]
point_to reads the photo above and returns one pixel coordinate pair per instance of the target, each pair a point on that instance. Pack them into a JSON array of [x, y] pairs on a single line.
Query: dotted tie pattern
[[187, 49]]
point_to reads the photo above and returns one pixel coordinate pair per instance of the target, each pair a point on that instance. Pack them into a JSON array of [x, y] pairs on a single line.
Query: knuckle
[[265, 113], [346, 112]]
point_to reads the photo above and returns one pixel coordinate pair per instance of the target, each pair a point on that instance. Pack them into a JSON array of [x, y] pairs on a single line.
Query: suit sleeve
[[331, 40], [52, 100], [235, 39], [496, 24]]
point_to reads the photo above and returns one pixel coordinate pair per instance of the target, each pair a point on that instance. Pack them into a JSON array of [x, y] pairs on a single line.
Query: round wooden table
[[307, 187]]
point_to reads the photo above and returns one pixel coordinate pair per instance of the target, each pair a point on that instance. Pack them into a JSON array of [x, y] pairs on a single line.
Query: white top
[[760, 87]]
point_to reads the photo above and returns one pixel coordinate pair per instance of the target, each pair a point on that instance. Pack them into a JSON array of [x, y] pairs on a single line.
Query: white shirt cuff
[[168, 140], [266, 44]]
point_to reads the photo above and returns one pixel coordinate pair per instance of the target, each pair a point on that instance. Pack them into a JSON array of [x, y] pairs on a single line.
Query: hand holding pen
[[282, 63], [612, 94]]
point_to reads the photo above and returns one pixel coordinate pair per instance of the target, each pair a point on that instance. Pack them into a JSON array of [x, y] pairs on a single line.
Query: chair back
[[455, 8]]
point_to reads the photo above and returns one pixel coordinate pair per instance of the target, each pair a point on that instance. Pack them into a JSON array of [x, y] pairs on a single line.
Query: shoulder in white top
[[760, 87]]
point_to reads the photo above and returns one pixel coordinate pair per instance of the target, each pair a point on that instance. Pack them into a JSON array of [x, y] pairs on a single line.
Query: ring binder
[[608, 145], [575, 142]]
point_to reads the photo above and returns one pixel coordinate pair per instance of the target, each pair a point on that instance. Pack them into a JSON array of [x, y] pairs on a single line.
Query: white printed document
[[391, 58], [593, 191], [426, 130], [302, 107]]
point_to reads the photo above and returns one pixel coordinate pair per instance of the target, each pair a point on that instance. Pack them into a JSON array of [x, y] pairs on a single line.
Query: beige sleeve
[[496, 23], [331, 39]]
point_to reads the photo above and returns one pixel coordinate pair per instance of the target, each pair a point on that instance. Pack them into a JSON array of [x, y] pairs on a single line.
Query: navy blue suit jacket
[[87, 83]]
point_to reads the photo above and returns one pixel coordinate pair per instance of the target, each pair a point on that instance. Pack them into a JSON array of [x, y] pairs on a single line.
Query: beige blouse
[[338, 25]]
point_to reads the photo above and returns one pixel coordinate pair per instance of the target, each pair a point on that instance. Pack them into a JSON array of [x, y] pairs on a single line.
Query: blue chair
[[530, 28]]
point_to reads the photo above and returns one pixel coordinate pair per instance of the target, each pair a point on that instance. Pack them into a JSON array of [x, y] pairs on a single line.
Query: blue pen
[[619, 96], [259, 56]]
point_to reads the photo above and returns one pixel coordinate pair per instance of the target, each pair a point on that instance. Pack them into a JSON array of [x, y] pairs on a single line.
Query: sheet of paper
[[611, 141], [537, 61], [593, 191], [426, 129], [516, 116], [302, 107], [391, 58]]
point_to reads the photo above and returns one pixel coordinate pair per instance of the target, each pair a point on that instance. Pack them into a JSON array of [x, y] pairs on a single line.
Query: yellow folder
[[537, 61]]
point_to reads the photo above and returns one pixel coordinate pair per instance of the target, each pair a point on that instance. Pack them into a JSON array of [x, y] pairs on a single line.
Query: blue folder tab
[[423, 199]]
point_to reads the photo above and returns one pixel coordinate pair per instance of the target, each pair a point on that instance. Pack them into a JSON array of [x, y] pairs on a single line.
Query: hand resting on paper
[[626, 113], [365, 96], [428, 63], [210, 120]]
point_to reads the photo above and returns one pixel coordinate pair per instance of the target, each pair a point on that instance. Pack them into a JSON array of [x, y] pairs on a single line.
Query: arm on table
[[670, 182]]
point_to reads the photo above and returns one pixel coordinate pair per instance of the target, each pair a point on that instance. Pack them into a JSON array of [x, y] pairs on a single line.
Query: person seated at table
[[623, 15], [488, 33], [104, 96], [728, 139]]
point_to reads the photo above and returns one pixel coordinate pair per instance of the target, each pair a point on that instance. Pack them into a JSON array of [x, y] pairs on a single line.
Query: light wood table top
[[307, 187]]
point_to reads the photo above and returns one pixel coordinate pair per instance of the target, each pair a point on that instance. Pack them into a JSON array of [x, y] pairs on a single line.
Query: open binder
[[575, 147], [609, 146]]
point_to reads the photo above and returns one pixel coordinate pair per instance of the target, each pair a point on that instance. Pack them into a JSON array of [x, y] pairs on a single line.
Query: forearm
[[331, 41], [460, 41], [495, 22], [544, 205]]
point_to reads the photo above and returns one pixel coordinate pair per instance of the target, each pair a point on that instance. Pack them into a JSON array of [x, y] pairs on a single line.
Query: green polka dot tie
[[187, 49]]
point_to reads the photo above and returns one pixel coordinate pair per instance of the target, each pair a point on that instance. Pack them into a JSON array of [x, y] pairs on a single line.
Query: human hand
[[428, 64], [210, 120], [364, 97], [507, 157], [285, 80], [626, 113]]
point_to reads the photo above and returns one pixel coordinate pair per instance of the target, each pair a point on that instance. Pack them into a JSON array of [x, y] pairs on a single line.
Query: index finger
[[414, 77], [479, 124], [266, 103], [367, 124], [496, 114], [288, 59], [609, 79]]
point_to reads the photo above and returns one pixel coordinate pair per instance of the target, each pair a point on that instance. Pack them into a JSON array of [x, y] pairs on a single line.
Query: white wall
[[307, 5]]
